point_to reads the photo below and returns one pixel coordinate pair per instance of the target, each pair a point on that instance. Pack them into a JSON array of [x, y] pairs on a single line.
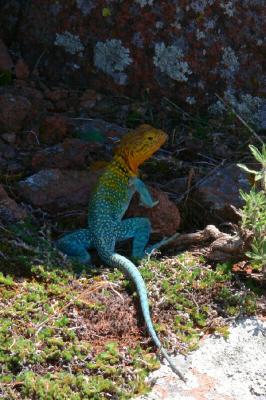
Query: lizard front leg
[[145, 196]]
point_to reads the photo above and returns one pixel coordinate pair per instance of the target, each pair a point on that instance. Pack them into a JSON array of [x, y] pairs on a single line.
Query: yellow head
[[139, 145]]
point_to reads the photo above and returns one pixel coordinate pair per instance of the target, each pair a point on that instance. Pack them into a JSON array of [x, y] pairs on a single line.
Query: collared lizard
[[107, 206]]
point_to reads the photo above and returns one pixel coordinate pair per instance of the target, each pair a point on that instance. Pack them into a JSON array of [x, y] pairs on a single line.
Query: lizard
[[107, 205]]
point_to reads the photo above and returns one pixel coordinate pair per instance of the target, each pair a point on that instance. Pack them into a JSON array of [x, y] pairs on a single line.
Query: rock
[[187, 50], [8, 152], [262, 115], [22, 70], [71, 153], [56, 94], [10, 211], [165, 217], [33, 95], [59, 99], [88, 99], [14, 110], [9, 137], [220, 191], [6, 63], [55, 190], [54, 129], [222, 368], [14, 167], [97, 130]]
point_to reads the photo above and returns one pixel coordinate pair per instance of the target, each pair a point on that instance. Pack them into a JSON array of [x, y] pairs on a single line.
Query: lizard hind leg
[[75, 245], [139, 230], [163, 242]]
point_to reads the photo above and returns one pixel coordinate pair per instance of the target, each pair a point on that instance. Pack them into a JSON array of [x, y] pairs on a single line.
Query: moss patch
[[69, 336]]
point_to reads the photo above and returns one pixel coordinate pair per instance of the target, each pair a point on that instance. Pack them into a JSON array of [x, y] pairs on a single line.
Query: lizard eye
[[150, 138]]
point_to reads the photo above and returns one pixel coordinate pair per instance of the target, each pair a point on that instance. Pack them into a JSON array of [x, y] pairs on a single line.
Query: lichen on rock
[[246, 105], [112, 58], [71, 43], [169, 60], [144, 3]]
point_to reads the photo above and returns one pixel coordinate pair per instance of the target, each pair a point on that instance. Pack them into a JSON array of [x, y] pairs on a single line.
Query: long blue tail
[[126, 266]]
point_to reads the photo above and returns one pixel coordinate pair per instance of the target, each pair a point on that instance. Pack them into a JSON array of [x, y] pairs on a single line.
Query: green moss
[[39, 344], [60, 386]]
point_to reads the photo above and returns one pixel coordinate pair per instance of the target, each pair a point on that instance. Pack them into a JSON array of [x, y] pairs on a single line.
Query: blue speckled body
[[107, 206]]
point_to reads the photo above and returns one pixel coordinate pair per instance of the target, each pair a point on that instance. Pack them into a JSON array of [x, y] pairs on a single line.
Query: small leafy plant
[[261, 158], [254, 210]]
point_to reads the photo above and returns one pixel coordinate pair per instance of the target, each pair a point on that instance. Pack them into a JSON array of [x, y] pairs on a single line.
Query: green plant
[[261, 158], [254, 210]]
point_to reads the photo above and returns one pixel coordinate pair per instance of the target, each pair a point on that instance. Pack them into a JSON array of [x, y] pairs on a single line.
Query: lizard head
[[139, 145]]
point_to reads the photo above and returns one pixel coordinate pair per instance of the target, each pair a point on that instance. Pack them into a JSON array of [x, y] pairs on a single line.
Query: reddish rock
[[55, 190], [56, 94], [6, 63], [71, 153], [14, 110], [186, 50], [54, 129], [88, 99], [165, 217], [10, 211], [22, 70]]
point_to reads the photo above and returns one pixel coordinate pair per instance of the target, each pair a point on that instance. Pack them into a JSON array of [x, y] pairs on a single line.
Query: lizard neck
[[122, 167]]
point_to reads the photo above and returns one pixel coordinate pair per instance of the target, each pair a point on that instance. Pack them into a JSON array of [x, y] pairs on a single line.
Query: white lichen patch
[[179, 14], [144, 3], [200, 34], [230, 61], [210, 23], [169, 60], [86, 6], [191, 100], [200, 5], [137, 40], [112, 58], [247, 106], [228, 7], [71, 43]]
